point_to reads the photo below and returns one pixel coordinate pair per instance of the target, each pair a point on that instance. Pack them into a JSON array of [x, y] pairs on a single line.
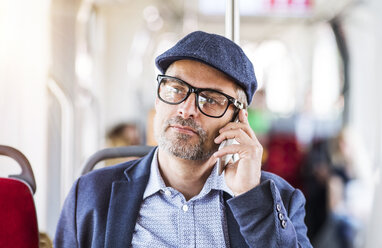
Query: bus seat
[[114, 152], [18, 219], [285, 157]]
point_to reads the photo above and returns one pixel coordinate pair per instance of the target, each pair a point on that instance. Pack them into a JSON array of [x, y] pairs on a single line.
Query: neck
[[186, 176]]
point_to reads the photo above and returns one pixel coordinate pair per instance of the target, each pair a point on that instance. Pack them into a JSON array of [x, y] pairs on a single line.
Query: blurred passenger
[[316, 172], [329, 222], [45, 241], [123, 134], [339, 229], [341, 155]]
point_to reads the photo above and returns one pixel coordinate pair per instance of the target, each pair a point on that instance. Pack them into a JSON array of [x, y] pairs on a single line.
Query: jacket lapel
[[235, 237], [125, 200]]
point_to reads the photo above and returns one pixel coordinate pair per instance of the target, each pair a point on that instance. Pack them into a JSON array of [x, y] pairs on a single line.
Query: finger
[[238, 134], [212, 160], [243, 116], [235, 126], [231, 168], [230, 171], [232, 149], [244, 151]]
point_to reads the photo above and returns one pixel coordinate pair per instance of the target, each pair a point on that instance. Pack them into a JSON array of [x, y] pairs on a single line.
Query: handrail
[[67, 130], [26, 169], [115, 152]]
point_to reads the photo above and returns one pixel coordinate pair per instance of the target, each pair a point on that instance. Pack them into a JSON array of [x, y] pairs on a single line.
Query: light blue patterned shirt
[[166, 219]]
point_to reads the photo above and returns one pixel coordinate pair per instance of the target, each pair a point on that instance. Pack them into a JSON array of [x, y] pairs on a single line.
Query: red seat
[[18, 220], [285, 157]]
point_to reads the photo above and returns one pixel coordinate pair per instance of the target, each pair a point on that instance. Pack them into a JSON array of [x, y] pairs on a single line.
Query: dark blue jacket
[[102, 207]]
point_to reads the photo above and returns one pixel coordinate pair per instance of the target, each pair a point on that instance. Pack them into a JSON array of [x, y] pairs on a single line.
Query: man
[[175, 197]]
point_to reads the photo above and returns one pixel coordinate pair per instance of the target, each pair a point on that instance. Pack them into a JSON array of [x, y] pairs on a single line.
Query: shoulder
[[106, 174], [101, 180], [98, 183]]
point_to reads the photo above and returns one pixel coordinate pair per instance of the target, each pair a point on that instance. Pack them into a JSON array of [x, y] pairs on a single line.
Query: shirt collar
[[215, 182], [156, 183]]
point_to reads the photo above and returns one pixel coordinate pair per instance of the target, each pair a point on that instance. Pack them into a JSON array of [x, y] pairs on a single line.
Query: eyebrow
[[209, 88]]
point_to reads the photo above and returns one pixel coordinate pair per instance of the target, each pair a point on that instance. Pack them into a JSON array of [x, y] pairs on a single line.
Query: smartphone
[[221, 163]]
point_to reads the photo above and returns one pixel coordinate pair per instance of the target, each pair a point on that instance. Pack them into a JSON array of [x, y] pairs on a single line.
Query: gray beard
[[178, 144]]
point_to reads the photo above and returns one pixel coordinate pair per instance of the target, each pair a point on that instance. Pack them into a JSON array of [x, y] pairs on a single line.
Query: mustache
[[186, 122]]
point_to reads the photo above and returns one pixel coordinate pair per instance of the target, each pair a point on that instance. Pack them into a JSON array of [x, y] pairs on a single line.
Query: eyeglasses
[[210, 102]]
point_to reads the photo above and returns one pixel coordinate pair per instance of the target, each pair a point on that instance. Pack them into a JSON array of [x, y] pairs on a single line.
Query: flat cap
[[216, 51]]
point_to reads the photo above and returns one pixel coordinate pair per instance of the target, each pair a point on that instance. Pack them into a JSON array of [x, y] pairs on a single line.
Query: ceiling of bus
[[320, 10]]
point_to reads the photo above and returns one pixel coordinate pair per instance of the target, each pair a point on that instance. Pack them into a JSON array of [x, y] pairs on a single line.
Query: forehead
[[202, 76]]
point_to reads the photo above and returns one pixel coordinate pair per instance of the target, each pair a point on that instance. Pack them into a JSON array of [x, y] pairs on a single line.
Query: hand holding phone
[[222, 162], [244, 174]]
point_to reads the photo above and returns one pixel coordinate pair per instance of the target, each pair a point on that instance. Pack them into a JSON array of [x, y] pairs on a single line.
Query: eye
[[171, 92], [206, 100], [212, 98], [174, 87], [174, 90], [211, 101]]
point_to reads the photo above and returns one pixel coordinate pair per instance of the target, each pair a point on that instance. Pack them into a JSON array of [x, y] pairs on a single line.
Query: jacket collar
[[140, 168]]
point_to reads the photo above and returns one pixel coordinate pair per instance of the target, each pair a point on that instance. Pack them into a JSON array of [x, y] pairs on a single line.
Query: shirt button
[[167, 192], [185, 208]]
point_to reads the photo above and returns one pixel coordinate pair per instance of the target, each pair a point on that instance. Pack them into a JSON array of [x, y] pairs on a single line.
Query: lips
[[184, 129]]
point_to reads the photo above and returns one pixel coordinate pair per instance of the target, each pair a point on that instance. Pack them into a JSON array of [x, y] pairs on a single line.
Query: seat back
[[115, 152], [18, 220], [285, 157]]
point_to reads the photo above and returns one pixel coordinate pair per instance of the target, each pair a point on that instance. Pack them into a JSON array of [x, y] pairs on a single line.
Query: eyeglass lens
[[174, 91]]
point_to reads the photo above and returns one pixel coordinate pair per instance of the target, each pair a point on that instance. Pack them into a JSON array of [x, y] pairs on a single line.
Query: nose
[[188, 108]]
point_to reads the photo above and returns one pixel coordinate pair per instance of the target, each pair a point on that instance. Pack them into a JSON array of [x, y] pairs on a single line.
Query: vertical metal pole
[[67, 130], [232, 21]]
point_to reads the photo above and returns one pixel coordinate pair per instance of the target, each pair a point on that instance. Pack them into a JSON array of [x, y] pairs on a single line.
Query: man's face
[[182, 130]]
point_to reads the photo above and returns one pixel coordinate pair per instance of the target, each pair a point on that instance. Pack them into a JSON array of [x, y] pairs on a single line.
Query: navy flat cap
[[216, 51]]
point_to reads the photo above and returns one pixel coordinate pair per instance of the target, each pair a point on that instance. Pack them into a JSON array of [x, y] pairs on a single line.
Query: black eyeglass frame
[[197, 91]]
